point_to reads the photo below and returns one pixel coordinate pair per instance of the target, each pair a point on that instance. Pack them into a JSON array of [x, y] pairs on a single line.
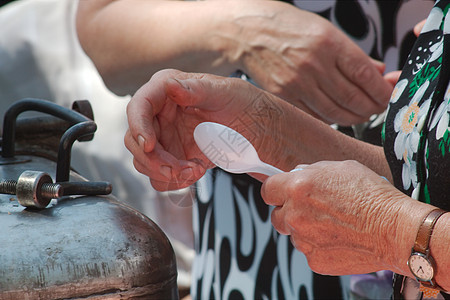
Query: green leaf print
[[426, 194], [442, 147], [426, 73], [444, 144]]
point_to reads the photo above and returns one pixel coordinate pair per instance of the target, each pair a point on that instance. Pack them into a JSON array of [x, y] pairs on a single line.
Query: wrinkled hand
[[163, 114], [339, 214], [305, 60]]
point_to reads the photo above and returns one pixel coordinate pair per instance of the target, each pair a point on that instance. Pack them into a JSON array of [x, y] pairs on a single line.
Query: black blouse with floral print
[[416, 135]]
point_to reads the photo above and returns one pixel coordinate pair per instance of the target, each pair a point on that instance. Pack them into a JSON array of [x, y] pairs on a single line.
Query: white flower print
[[407, 141], [398, 90], [434, 20], [441, 117], [436, 51], [447, 24], [409, 174]]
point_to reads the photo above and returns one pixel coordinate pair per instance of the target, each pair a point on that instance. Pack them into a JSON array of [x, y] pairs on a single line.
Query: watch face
[[421, 267]]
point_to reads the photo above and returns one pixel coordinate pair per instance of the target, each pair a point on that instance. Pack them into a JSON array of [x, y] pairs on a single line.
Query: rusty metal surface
[[86, 247]]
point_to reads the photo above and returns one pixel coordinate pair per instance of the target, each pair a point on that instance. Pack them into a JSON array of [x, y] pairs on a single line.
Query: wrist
[[242, 29], [409, 219], [224, 35], [441, 251], [405, 223], [276, 116]]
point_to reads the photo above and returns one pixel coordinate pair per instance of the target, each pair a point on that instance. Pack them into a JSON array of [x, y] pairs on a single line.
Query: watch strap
[[425, 230], [422, 242]]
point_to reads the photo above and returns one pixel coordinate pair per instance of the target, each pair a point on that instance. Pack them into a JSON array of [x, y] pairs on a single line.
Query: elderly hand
[[163, 114], [305, 60], [341, 215]]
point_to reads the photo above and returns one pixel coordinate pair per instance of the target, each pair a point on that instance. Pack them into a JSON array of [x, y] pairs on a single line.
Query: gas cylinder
[[62, 236]]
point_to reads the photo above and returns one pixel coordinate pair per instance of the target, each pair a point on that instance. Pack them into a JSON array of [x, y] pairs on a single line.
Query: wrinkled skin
[[339, 214], [307, 61], [338, 210], [163, 115], [294, 54]]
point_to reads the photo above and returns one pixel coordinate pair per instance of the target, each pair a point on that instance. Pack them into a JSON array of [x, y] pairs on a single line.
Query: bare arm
[[291, 53], [163, 114], [297, 138], [341, 214], [130, 40]]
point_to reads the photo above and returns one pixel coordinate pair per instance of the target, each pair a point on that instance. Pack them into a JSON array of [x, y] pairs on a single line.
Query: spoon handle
[[267, 169]]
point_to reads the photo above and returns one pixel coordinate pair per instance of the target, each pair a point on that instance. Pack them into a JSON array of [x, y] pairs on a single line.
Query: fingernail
[[141, 142], [187, 173], [166, 171], [295, 170], [182, 83]]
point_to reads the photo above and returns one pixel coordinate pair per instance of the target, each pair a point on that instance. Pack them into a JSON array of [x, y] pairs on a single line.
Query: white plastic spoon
[[229, 150]]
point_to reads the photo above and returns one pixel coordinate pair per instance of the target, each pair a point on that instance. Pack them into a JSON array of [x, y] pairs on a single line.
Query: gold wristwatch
[[421, 263]]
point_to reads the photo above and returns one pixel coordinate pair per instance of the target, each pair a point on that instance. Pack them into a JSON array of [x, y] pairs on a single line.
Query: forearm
[[295, 137], [394, 217], [129, 40]]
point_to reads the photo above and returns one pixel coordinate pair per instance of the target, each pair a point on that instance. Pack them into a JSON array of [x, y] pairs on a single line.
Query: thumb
[[141, 115], [147, 103]]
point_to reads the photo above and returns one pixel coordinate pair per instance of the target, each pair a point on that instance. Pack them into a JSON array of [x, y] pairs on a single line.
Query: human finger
[[173, 183], [277, 217], [156, 164], [306, 91], [189, 175], [142, 109], [379, 65], [418, 27], [272, 190], [358, 68], [330, 111], [164, 178], [281, 81], [349, 97], [160, 96], [392, 77]]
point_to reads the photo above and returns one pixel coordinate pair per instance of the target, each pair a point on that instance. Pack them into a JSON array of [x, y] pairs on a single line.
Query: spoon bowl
[[229, 150]]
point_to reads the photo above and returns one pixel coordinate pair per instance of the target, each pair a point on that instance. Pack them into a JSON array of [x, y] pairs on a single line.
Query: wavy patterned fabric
[[239, 254]]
